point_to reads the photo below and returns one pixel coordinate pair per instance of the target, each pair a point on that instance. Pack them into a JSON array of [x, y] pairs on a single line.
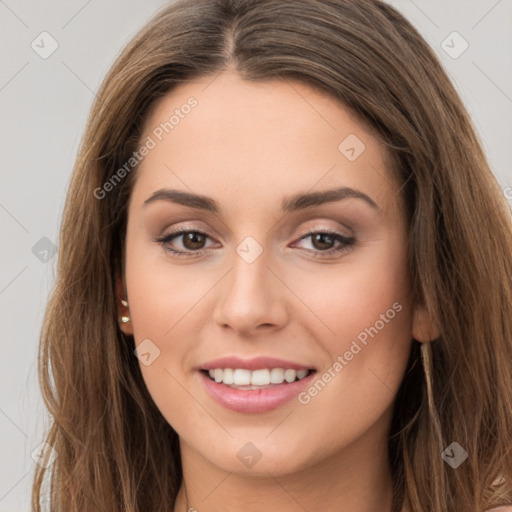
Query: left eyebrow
[[307, 200], [293, 203]]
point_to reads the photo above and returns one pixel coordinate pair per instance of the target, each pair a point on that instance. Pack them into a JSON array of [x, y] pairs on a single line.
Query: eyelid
[[168, 231], [325, 228], [176, 233], [308, 230]]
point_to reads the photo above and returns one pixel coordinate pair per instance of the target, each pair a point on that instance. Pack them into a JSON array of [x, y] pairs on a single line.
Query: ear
[[423, 328], [122, 310]]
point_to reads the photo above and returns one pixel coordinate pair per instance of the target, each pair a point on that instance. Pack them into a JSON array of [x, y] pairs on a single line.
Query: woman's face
[[258, 285]]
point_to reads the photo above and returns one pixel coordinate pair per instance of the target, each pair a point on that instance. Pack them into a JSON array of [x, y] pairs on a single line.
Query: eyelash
[[345, 241]]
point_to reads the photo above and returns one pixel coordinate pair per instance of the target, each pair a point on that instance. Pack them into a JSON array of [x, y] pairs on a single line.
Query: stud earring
[[124, 319]]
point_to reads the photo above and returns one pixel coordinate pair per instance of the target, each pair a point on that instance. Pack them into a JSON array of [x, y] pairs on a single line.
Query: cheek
[[366, 307], [367, 291], [160, 292], [369, 310]]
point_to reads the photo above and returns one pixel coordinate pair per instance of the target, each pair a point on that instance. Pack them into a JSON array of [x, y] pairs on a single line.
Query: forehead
[[259, 140]]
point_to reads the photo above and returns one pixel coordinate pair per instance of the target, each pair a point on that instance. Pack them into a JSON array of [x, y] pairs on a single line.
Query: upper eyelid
[[350, 231], [195, 229]]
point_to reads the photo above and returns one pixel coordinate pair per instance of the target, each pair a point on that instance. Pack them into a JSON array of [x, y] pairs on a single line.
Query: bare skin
[[248, 146]]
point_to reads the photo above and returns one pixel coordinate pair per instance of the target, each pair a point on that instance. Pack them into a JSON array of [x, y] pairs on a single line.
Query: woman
[[284, 275]]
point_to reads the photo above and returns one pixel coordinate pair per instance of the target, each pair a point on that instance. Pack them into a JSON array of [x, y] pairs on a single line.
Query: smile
[[254, 386]]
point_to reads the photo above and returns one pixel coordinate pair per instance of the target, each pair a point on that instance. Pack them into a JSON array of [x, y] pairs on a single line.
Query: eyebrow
[[293, 203]]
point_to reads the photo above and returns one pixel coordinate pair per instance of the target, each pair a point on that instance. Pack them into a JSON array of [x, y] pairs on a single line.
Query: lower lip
[[254, 400]]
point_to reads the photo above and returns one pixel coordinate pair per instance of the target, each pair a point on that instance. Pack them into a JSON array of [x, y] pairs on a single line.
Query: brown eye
[[325, 242], [193, 240], [322, 241]]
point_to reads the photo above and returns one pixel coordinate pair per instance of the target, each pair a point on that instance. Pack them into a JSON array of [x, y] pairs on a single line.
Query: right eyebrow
[[185, 199]]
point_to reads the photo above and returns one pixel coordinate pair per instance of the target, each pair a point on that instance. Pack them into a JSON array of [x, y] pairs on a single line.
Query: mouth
[[263, 378], [253, 386]]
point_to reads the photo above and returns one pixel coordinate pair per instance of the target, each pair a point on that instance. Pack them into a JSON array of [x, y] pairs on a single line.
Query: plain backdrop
[[44, 106]]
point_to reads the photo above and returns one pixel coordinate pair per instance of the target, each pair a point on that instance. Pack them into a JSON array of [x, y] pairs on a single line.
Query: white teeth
[[241, 377], [263, 377], [260, 378], [227, 377], [277, 376], [301, 374], [289, 375]]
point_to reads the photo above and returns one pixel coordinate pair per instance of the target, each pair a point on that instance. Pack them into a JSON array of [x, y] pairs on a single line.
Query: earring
[[124, 319]]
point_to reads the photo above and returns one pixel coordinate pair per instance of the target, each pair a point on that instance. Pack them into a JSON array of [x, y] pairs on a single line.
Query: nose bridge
[[251, 294]]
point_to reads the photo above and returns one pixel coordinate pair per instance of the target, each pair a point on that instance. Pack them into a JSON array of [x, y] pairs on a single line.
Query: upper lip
[[255, 363]]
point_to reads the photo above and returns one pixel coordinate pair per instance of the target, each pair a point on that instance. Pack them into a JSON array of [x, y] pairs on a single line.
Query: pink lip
[[255, 400], [253, 364]]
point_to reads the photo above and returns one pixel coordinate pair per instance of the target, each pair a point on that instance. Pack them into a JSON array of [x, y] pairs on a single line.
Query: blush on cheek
[[380, 341]]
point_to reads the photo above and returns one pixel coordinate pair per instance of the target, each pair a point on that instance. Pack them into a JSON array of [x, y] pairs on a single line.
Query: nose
[[252, 299]]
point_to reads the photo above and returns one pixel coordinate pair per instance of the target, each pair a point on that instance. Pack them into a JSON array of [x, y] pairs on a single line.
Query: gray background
[[44, 105]]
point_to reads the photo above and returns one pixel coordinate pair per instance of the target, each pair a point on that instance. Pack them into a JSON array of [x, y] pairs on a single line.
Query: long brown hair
[[115, 450]]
